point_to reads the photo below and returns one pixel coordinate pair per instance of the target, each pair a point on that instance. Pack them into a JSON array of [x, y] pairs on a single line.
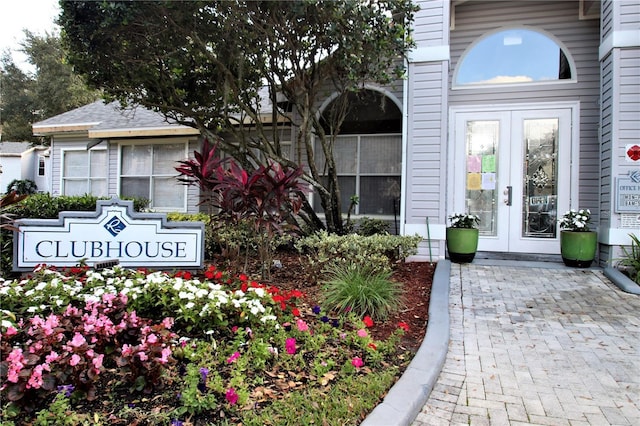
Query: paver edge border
[[408, 395], [623, 282]]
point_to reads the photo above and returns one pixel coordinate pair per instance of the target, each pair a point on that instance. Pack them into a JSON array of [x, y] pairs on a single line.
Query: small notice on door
[[474, 182], [488, 163], [473, 164], [488, 181]]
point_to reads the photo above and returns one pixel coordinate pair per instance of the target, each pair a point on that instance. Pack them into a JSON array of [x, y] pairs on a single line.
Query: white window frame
[[41, 166], [88, 178], [154, 143]]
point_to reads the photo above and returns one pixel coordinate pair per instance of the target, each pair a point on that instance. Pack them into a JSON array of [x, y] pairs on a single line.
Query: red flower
[[295, 312], [368, 321], [403, 325], [373, 346]]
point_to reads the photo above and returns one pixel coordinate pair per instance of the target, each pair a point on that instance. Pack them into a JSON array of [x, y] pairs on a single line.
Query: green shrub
[[369, 226], [377, 252], [22, 186], [210, 244], [362, 290]]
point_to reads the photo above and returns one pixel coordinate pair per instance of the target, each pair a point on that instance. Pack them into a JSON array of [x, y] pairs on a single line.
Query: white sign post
[[113, 232]]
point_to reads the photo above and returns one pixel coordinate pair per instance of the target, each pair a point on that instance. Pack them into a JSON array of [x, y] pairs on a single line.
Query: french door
[[513, 169]]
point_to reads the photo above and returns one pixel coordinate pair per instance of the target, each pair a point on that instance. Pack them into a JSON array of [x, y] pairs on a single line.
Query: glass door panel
[[540, 184], [513, 170], [481, 173]]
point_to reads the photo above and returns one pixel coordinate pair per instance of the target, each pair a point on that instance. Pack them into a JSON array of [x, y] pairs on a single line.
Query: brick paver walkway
[[538, 346]]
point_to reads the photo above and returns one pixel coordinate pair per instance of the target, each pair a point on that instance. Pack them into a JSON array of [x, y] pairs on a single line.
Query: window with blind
[[147, 171], [84, 172], [368, 166]]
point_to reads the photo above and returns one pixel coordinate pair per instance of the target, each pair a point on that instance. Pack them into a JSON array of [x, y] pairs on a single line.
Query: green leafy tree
[[53, 88], [204, 64]]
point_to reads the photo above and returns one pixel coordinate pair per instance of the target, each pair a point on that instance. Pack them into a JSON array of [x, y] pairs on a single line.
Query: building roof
[[13, 148], [109, 120]]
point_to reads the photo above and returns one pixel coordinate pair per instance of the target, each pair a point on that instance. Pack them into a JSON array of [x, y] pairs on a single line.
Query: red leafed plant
[[269, 197]]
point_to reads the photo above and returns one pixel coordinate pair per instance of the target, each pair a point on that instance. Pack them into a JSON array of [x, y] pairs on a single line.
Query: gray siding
[[425, 150], [427, 123], [58, 144], [431, 24], [629, 14], [620, 111], [112, 158], [581, 39], [61, 143]]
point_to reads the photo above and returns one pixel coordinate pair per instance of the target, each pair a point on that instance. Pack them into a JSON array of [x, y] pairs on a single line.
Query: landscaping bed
[[272, 355]]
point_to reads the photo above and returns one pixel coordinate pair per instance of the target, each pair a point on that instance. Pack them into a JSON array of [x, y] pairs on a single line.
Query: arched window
[[367, 152], [514, 56]]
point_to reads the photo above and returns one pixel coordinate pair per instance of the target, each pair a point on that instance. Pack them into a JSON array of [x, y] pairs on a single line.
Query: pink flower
[[12, 375], [167, 322], [231, 396], [108, 298], [302, 326], [52, 357], [143, 356], [15, 359], [357, 362], [362, 333], [290, 345], [97, 361], [75, 359], [233, 357], [164, 358], [127, 350], [35, 381], [78, 340], [152, 338], [11, 331]]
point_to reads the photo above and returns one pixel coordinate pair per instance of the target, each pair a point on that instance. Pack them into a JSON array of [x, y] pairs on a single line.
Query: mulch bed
[[416, 277]]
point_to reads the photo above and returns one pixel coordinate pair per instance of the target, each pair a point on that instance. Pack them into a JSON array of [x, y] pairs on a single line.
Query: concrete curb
[[407, 397], [623, 282]]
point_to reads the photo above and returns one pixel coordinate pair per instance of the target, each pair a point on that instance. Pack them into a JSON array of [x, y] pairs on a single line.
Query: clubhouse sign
[[113, 232]]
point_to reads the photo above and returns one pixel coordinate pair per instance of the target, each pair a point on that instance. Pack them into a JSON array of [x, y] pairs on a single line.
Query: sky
[[37, 16]]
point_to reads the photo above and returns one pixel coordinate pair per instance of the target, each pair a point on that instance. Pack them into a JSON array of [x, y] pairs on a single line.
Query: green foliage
[[369, 226], [53, 89], [211, 245], [59, 413], [22, 186], [208, 64], [277, 364], [632, 258], [336, 403], [362, 290], [375, 252]]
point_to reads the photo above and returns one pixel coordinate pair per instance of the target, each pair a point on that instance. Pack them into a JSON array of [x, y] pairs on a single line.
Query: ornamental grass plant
[[362, 289]]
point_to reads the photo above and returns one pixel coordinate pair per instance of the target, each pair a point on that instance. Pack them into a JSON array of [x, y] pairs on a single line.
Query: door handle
[[508, 193]]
